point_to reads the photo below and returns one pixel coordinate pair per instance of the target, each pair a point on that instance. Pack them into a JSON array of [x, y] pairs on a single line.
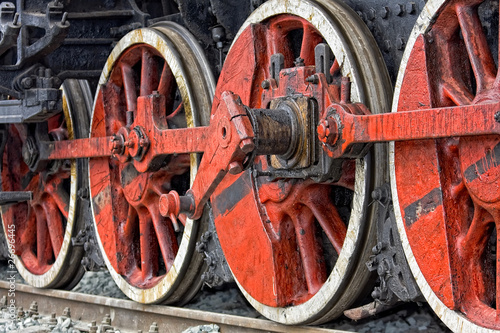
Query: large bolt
[[172, 205], [247, 145], [235, 168], [265, 84], [328, 131], [106, 323], [27, 82]]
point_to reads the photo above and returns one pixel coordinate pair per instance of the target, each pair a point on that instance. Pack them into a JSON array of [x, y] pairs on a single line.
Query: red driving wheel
[[147, 258], [446, 191], [43, 227], [295, 245]]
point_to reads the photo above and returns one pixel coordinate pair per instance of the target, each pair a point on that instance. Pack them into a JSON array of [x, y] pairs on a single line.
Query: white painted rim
[[456, 321], [298, 314], [48, 278], [158, 41]]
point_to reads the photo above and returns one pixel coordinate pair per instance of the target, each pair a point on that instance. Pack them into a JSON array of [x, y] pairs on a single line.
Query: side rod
[[172, 141], [481, 119]]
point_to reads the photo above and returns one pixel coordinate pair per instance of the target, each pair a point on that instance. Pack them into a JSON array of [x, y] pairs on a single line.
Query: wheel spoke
[[335, 69], [22, 130], [59, 195], [479, 52], [125, 247], [167, 81], [472, 247], [311, 252], [277, 42], [54, 224], [43, 248], [176, 112], [309, 41], [129, 86], [28, 233], [166, 236], [148, 245], [330, 220], [457, 93], [149, 73], [167, 87]]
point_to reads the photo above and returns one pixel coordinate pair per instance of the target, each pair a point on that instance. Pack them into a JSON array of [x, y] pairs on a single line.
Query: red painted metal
[[226, 151], [271, 231], [452, 193], [472, 120], [449, 188], [39, 224]]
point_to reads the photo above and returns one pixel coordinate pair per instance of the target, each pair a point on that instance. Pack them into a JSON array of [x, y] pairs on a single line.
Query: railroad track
[[129, 316]]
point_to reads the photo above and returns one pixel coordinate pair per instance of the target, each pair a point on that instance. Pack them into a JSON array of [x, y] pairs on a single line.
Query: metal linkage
[[40, 97], [346, 130]]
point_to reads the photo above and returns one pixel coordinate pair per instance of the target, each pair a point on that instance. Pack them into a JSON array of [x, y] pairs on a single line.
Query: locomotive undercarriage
[[284, 162]]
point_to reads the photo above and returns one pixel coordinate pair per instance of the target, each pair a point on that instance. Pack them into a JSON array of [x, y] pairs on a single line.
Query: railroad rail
[[129, 316]]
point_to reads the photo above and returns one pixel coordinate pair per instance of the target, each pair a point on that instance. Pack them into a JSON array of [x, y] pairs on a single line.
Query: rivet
[[411, 7], [497, 117], [370, 15], [384, 12], [400, 43]]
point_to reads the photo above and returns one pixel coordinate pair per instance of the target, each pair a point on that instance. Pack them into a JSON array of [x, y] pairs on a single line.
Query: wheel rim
[[449, 192], [146, 258], [44, 226], [281, 283]]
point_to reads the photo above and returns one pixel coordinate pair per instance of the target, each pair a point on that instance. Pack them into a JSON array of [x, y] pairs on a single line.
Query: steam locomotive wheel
[[296, 247], [40, 230], [148, 260], [445, 192]]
